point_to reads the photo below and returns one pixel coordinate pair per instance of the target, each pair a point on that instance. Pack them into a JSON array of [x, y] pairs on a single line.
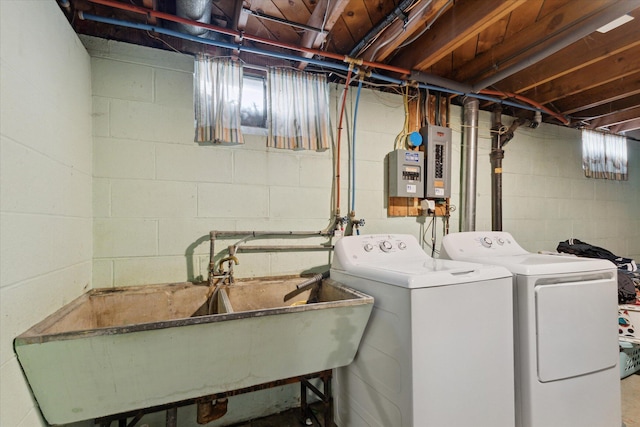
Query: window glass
[[252, 111]]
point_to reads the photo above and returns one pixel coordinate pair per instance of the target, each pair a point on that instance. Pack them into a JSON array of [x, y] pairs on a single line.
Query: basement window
[[253, 110], [604, 156]]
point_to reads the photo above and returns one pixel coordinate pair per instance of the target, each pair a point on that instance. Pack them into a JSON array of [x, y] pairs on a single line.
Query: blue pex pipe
[[321, 63]]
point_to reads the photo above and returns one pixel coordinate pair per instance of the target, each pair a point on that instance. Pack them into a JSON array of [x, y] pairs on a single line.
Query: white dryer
[[438, 348], [566, 331]]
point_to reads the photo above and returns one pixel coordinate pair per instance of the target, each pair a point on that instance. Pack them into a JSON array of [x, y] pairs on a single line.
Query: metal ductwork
[[195, 10], [469, 164]]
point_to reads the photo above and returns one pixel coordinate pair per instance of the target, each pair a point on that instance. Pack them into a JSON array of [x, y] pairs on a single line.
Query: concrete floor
[[630, 409], [631, 400]]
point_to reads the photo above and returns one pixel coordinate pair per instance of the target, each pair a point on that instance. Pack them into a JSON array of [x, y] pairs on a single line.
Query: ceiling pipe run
[[532, 105]]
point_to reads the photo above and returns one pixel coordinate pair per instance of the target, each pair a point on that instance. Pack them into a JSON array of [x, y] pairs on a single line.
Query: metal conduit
[[469, 164]]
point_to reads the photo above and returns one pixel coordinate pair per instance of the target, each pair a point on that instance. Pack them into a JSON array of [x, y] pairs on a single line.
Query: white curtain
[[298, 110], [604, 155], [218, 86]]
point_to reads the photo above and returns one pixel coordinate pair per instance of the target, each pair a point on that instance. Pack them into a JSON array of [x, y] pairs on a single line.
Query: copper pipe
[[344, 101], [558, 116]]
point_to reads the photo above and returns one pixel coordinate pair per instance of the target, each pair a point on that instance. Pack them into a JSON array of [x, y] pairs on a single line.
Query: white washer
[[566, 331], [438, 348]]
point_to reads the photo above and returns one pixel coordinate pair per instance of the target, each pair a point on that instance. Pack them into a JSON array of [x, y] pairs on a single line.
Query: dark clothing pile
[[628, 276]]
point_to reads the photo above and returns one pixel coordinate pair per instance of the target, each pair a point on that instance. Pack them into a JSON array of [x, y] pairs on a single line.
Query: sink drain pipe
[[211, 409]]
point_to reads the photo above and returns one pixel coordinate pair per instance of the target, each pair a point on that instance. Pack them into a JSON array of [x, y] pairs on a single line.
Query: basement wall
[[46, 173]]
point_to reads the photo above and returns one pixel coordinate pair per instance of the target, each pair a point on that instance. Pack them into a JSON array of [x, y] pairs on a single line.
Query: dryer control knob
[[500, 241], [486, 242], [386, 246], [402, 246], [368, 247]]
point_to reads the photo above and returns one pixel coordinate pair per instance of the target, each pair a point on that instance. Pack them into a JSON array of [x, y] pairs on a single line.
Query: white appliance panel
[[575, 336]]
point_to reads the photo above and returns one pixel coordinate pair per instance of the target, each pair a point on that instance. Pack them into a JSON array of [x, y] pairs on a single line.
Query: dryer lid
[[500, 248]]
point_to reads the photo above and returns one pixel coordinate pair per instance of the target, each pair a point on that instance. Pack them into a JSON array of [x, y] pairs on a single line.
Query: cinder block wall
[[546, 197], [46, 172]]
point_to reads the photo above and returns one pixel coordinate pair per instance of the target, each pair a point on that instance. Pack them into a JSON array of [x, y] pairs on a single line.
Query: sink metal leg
[[172, 417]]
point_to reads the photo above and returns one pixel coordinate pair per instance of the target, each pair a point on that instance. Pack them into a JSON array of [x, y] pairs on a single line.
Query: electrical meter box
[[406, 173], [437, 146]]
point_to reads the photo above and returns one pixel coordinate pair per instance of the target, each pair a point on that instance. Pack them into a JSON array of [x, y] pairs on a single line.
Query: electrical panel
[[406, 173], [437, 145]]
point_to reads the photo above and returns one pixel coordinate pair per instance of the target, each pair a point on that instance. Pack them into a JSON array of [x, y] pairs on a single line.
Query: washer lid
[[399, 260], [500, 248]]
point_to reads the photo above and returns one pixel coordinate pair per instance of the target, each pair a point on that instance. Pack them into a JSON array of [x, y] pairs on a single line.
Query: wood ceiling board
[[398, 32], [626, 126], [492, 35], [339, 39], [321, 17], [357, 19], [578, 55], [378, 9], [523, 16], [292, 11], [612, 91], [455, 27], [277, 30], [537, 37], [464, 54], [607, 70], [616, 118], [608, 108]]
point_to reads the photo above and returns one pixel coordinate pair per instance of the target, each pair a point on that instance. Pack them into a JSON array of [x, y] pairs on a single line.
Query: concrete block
[[317, 172], [232, 201], [283, 169], [307, 203], [176, 162], [150, 270], [121, 80], [370, 175], [101, 198], [137, 54], [249, 167], [57, 242], [370, 204], [286, 263], [17, 400], [153, 199], [583, 189], [102, 273], [100, 116], [123, 158], [151, 122], [189, 236], [43, 295], [116, 237], [174, 88]]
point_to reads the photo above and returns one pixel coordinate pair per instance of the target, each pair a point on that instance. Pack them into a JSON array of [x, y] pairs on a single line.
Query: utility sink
[[121, 349]]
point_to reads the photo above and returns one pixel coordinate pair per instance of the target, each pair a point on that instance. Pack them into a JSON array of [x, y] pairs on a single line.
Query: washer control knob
[[486, 242], [402, 246], [500, 241], [368, 247], [386, 246]]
